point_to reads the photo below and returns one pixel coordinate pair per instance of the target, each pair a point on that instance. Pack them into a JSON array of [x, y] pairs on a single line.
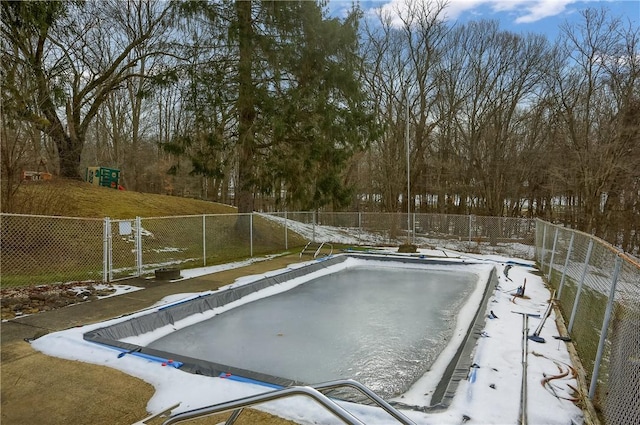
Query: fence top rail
[[51, 216], [392, 213], [195, 216], [122, 219], [264, 213], [616, 251], [629, 259]]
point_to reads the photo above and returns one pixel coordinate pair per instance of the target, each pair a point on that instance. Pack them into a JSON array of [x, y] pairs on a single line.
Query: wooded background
[[276, 106]]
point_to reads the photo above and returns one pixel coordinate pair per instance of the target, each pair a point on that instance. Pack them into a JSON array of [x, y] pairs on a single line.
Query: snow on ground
[[352, 235], [490, 395], [119, 289]]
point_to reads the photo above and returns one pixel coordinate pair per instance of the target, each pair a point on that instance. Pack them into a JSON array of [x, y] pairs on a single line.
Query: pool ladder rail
[[313, 391], [315, 248]]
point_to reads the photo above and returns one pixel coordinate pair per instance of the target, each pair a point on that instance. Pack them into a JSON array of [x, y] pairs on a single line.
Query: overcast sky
[[536, 16]]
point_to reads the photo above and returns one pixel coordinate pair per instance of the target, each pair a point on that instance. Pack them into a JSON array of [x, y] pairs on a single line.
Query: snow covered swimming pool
[[396, 324]]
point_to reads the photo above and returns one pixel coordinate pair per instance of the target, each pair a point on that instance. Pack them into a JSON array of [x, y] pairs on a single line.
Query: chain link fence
[[143, 245], [41, 250], [500, 235], [598, 287], [48, 250], [598, 290], [490, 235]]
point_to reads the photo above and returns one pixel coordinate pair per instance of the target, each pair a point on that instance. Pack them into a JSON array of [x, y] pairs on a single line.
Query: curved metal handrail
[[315, 249], [320, 248], [328, 404], [331, 385], [315, 392], [305, 249]]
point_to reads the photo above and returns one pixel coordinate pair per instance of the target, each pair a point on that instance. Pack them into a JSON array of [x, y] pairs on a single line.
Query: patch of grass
[[46, 277], [80, 199], [587, 324]]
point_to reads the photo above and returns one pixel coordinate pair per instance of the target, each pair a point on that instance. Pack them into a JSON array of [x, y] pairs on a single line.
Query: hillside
[[37, 251], [79, 199]]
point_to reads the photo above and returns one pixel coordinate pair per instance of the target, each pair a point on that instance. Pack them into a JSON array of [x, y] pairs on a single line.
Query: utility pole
[[406, 137]]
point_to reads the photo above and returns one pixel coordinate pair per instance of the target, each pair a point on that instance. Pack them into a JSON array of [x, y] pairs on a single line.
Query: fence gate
[[122, 249]]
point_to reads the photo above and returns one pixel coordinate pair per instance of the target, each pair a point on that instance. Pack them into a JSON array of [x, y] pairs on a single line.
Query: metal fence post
[[470, 217], [106, 226], [109, 252], [566, 263], [359, 227], [413, 232], [139, 245], [313, 217], [605, 328], [542, 249], [553, 254], [251, 235], [286, 233], [584, 274], [204, 240]]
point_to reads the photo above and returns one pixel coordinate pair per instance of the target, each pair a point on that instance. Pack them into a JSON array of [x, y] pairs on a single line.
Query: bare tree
[[76, 54], [597, 92], [21, 145], [384, 60], [493, 77], [425, 37], [401, 56]]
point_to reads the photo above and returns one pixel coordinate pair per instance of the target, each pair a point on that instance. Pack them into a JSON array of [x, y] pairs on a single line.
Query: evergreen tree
[[292, 79], [207, 92], [317, 108]]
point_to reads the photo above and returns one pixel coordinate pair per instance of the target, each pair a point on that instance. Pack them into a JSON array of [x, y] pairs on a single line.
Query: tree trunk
[[69, 152], [246, 112]]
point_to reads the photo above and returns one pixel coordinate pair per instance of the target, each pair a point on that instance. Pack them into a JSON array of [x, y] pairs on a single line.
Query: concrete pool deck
[[39, 389]]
